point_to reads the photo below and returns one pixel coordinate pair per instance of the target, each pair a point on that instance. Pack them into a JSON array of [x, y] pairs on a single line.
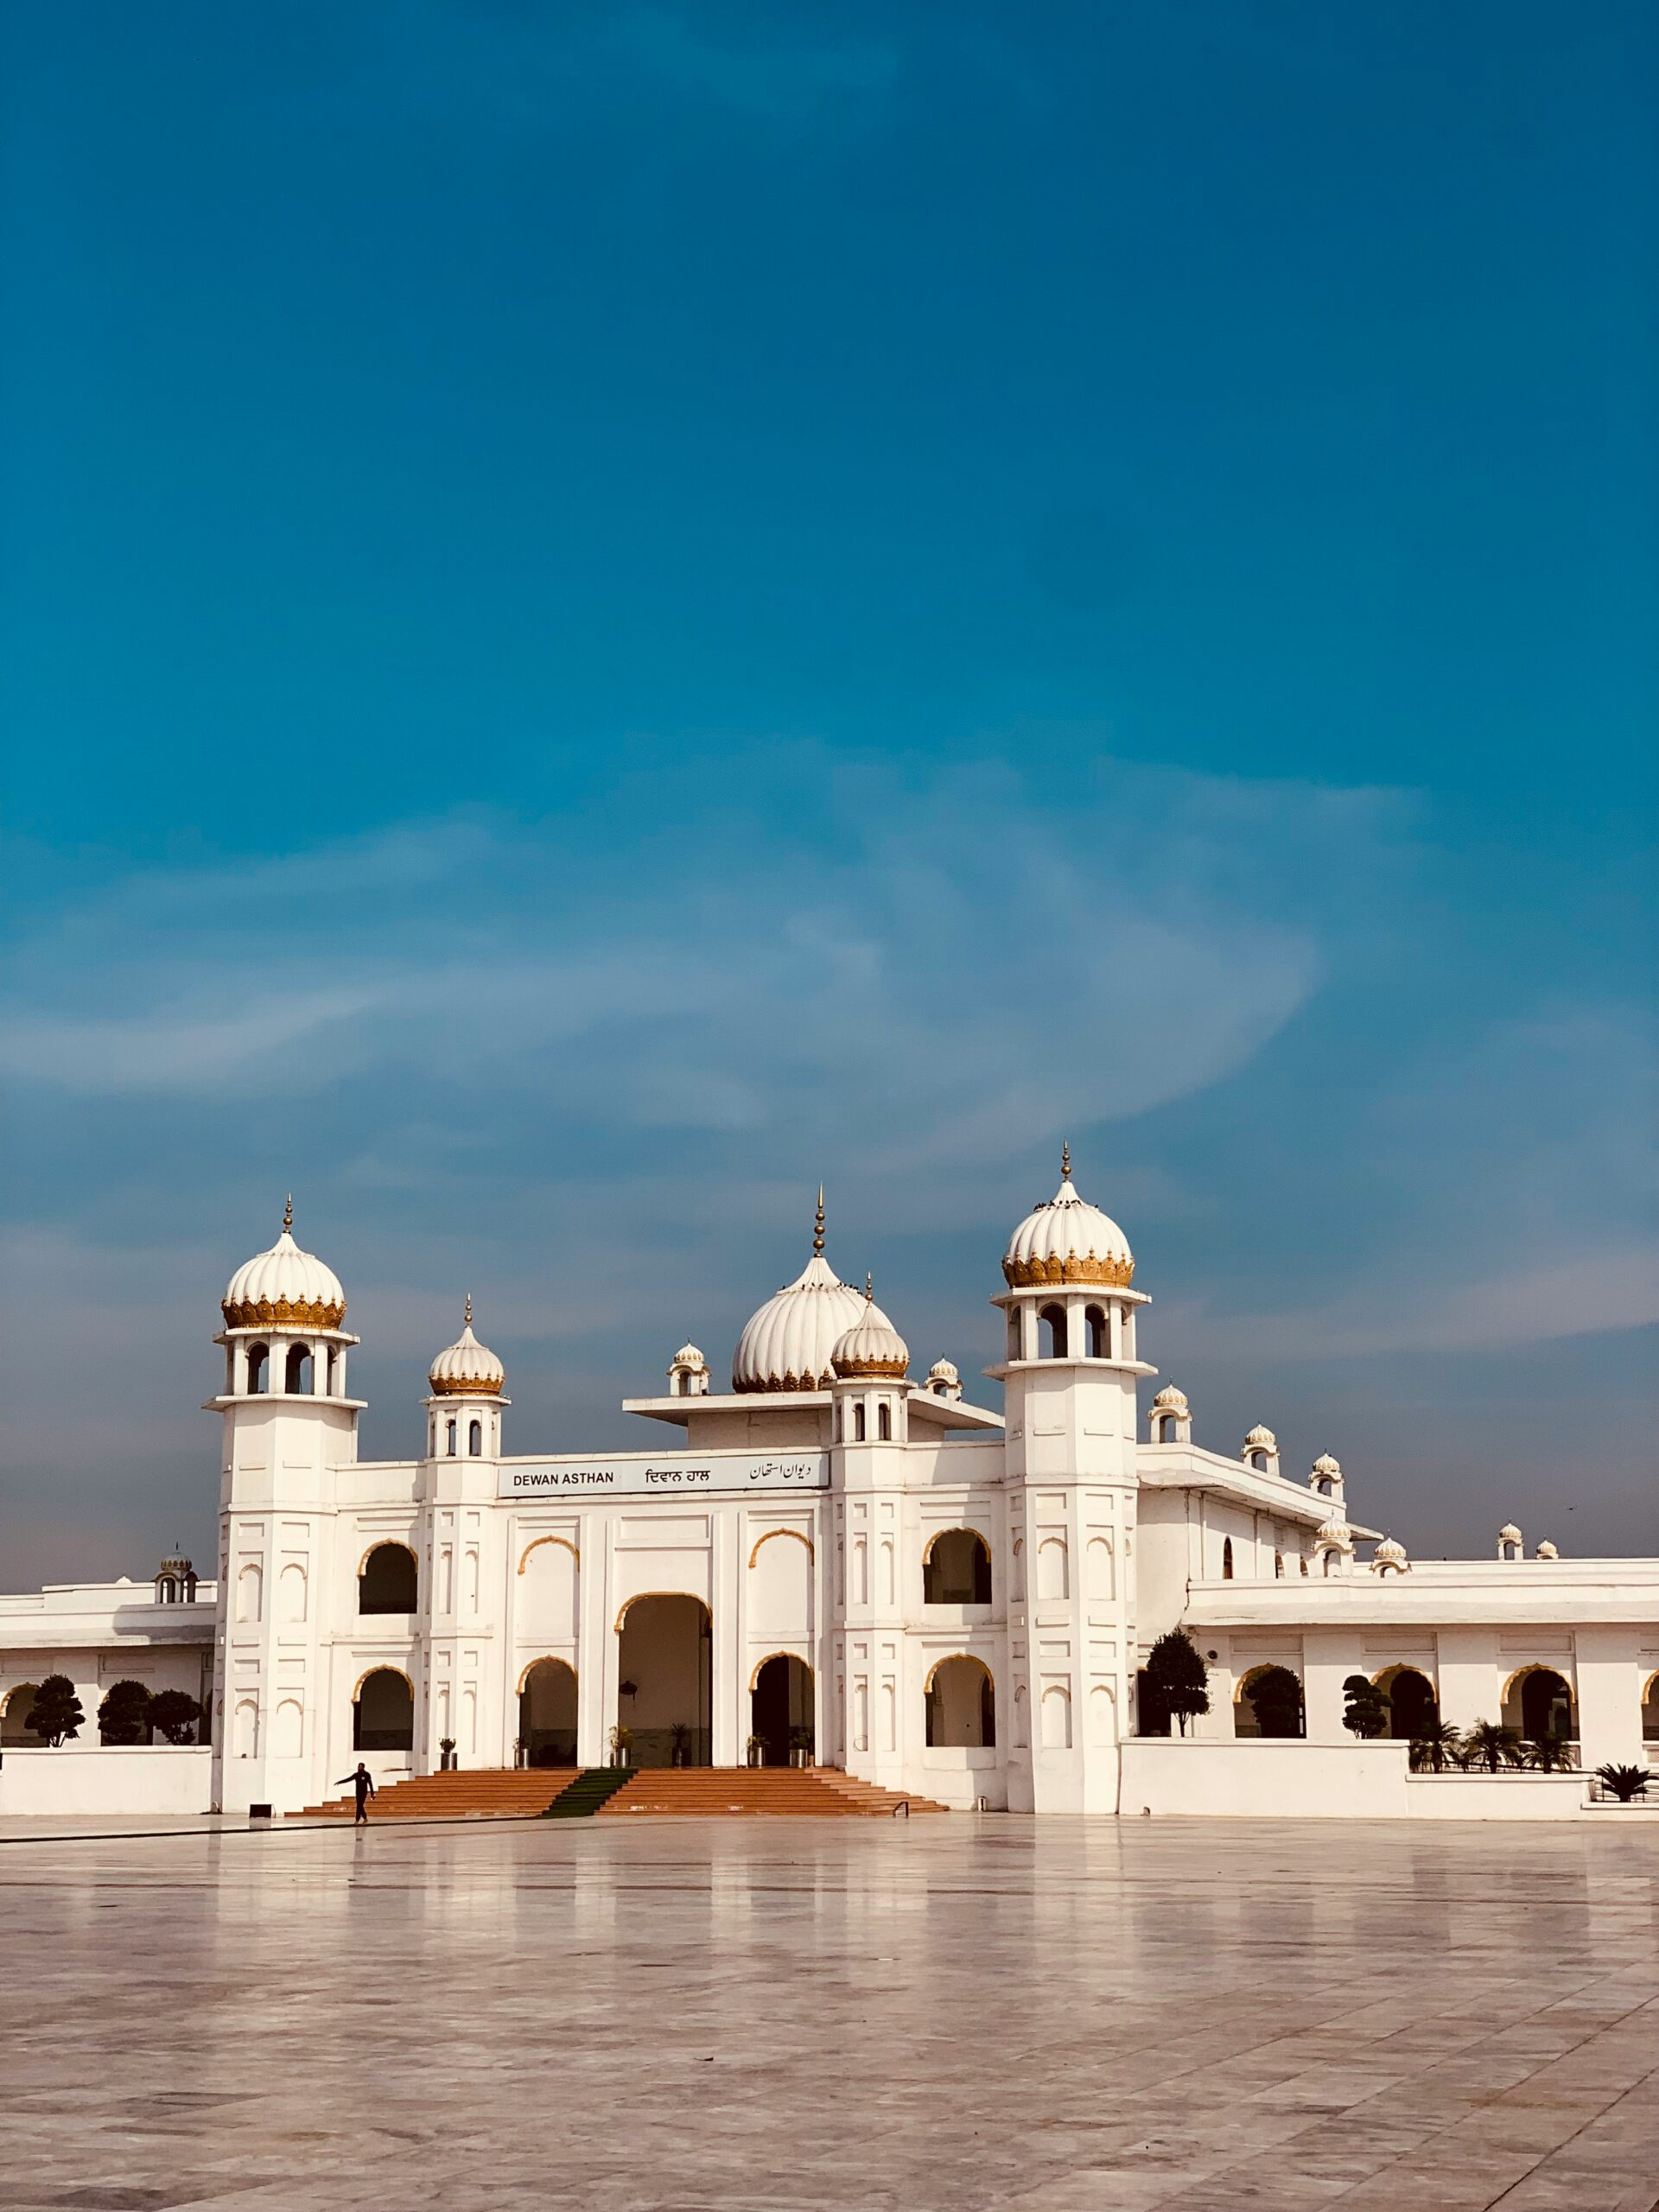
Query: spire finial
[[470, 1309], [288, 1214], [1065, 1160], [869, 1289], [817, 1233]]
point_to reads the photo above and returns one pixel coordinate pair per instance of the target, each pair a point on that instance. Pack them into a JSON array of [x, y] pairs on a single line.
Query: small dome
[[1509, 1533], [1260, 1440], [1335, 1531], [1325, 1465], [283, 1288], [871, 1346], [943, 1370], [1170, 1397], [468, 1369], [1390, 1553], [1547, 1550], [1067, 1240], [689, 1357], [788, 1344]]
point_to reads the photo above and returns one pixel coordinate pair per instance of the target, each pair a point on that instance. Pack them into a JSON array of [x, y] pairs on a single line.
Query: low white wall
[[107, 1779], [1263, 1779], [1498, 1797]]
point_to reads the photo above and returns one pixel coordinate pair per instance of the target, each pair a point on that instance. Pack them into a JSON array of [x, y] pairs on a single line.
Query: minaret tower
[[463, 1416], [288, 1425], [870, 1396], [1070, 1377]]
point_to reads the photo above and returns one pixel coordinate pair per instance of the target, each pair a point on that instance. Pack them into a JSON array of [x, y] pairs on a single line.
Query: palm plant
[[1436, 1748], [1626, 1782], [1492, 1746], [1549, 1754]]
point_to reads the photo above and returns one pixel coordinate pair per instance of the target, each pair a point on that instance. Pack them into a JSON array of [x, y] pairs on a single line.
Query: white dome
[[1261, 1440], [1335, 1531], [871, 1346], [1325, 1465], [689, 1356], [1169, 1396], [284, 1286], [788, 1344], [1509, 1533], [1390, 1553], [468, 1369], [1067, 1240], [943, 1370]]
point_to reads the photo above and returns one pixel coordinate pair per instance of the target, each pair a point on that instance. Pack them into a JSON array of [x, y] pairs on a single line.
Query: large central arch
[[666, 1679]]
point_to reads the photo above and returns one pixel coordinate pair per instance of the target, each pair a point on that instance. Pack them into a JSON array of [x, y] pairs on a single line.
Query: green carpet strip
[[580, 1799]]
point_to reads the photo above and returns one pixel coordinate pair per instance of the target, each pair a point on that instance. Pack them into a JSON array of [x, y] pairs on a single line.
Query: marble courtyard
[[1059, 2016]]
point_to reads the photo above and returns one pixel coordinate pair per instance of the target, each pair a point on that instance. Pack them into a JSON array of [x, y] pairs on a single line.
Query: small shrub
[[56, 1712], [1437, 1748], [1365, 1709], [124, 1717], [1491, 1746], [173, 1715], [1626, 1782], [1177, 1677], [1277, 1695]]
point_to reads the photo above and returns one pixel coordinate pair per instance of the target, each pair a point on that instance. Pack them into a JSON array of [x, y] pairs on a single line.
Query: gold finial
[[470, 1309], [288, 1214], [817, 1233], [1065, 1161], [869, 1289]]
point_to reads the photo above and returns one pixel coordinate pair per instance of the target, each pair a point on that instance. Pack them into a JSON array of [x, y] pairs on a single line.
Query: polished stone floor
[[947, 2015]]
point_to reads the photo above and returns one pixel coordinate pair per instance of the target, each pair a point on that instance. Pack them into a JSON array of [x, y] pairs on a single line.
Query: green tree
[[1276, 1695], [1491, 1746], [124, 1717], [57, 1711], [1177, 1677], [1366, 1710], [175, 1714]]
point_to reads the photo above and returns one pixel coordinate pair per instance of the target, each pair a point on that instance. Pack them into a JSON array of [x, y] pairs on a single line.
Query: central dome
[[283, 1286], [1067, 1240], [788, 1344]]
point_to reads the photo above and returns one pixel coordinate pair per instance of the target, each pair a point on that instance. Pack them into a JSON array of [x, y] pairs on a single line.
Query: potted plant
[[679, 1744], [520, 1751], [622, 1743], [757, 1751], [800, 1747], [445, 1754]]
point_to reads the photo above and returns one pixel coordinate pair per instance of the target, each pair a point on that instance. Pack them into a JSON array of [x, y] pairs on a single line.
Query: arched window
[[1050, 1323], [1167, 1429], [296, 1379], [1227, 1559], [957, 1569], [1100, 1334], [1330, 1566], [1268, 1702], [858, 1424], [474, 1439], [1412, 1710], [388, 1580], [15, 1708], [883, 1422], [383, 1713], [449, 1440], [258, 1356], [1540, 1704], [961, 1704]]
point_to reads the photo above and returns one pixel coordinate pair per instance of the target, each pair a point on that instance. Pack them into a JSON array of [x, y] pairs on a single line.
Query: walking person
[[365, 1787]]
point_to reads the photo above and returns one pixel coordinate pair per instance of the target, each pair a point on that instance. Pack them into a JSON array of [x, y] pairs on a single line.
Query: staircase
[[569, 1793], [809, 1792], [477, 1794]]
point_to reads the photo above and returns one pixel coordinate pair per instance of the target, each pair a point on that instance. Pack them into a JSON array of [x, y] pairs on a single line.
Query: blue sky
[[609, 611]]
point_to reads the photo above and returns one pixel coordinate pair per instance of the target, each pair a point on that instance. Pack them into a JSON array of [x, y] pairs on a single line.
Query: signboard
[[674, 1475]]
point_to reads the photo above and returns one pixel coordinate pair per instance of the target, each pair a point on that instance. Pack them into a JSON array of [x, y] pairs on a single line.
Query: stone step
[[510, 1793]]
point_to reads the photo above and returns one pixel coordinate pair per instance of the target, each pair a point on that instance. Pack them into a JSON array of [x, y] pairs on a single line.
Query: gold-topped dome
[[1067, 1240], [283, 1288], [872, 1347], [786, 1346], [467, 1369]]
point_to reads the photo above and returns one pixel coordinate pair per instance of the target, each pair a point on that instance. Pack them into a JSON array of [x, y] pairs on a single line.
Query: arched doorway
[[383, 1713], [1540, 1704], [961, 1704], [665, 1680], [388, 1580], [15, 1709], [1268, 1702], [780, 1706], [1412, 1710], [547, 1714]]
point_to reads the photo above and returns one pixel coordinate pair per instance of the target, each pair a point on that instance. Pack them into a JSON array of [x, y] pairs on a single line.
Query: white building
[[935, 1597]]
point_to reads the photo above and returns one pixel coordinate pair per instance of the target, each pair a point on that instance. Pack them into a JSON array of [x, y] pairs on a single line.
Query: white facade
[[946, 1600]]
